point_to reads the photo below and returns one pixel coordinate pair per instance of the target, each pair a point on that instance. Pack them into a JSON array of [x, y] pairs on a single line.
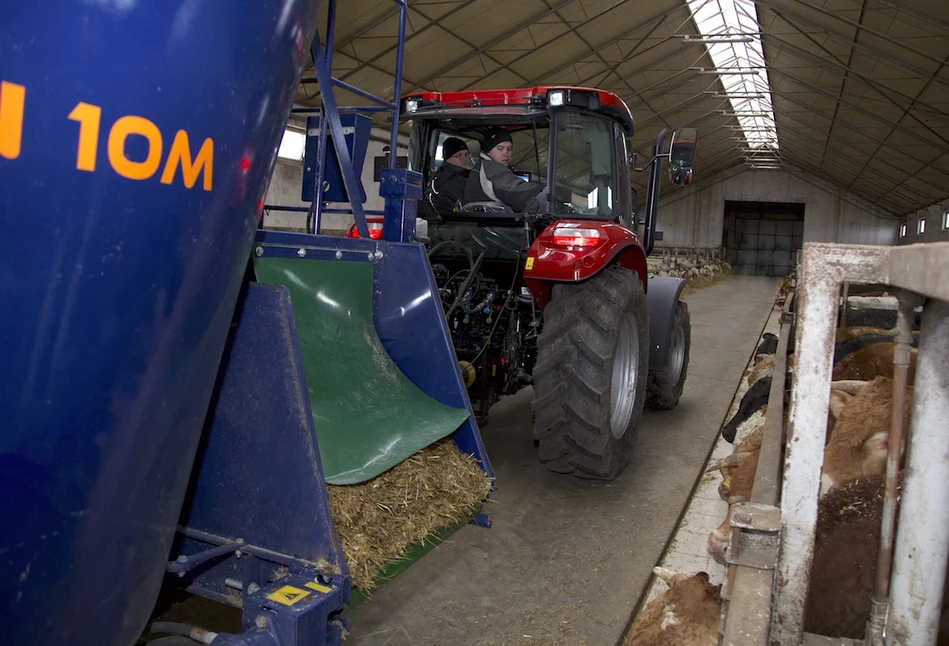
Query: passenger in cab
[[448, 185], [492, 181]]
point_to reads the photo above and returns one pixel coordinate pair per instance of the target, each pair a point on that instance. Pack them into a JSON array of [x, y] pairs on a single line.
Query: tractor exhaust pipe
[[652, 195]]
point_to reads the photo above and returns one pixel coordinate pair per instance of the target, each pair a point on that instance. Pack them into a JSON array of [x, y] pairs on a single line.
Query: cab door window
[[584, 175]]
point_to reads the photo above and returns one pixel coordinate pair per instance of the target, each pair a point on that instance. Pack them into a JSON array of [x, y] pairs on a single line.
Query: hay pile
[[378, 520], [714, 275]]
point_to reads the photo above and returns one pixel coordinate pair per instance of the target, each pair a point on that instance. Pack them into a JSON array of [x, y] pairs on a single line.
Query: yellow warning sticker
[[728, 481], [530, 263], [319, 588], [287, 595]]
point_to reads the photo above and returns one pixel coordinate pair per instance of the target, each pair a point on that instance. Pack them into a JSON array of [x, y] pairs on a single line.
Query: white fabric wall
[[831, 214]]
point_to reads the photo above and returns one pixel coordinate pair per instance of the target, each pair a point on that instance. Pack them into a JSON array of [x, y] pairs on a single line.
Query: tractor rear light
[[571, 236], [375, 229]]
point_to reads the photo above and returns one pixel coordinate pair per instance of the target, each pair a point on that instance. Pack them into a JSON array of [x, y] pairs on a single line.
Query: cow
[[751, 402], [872, 361], [739, 470], [764, 366], [751, 444], [844, 333], [768, 345], [851, 345], [686, 614], [859, 440]]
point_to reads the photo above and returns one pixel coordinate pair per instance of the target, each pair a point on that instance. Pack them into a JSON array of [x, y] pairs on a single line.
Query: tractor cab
[[570, 142]]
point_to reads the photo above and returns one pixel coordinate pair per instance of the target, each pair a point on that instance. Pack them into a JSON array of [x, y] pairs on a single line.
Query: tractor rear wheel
[[590, 377], [665, 384]]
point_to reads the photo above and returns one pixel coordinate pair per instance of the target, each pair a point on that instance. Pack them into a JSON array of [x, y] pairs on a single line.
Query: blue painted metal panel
[[121, 286], [411, 325], [258, 474], [357, 128], [402, 189]]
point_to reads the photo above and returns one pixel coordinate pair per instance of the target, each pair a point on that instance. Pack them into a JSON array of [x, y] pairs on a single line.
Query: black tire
[[665, 385], [582, 426]]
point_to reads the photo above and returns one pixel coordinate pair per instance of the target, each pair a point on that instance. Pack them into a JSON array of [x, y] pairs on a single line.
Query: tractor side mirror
[[680, 155]]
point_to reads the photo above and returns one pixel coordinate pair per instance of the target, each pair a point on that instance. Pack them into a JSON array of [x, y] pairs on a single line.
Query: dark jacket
[[448, 187], [490, 181]]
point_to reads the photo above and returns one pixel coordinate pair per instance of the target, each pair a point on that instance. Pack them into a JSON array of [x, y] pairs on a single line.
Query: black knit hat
[[493, 138], [452, 146]]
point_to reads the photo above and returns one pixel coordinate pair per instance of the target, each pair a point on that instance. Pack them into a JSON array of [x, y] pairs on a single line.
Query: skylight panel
[[731, 35]]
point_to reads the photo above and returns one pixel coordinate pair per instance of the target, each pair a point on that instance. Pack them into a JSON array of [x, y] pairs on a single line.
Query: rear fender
[[661, 299], [547, 264]]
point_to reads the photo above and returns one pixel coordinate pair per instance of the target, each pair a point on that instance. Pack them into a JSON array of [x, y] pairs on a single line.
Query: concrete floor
[[567, 560]]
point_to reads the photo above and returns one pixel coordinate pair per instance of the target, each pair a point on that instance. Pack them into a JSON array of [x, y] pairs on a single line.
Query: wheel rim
[[625, 376], [677, 360]]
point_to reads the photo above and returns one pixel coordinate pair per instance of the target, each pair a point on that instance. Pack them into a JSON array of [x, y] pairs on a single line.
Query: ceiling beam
[[421, 30], [803, 3], [847, 70], [420, 85], [854, 106], [653, 22], [840, 38], [918, 15]]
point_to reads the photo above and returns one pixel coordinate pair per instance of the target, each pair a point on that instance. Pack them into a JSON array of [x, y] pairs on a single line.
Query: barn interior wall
[[831, 214], [286, 184], [935, 215]]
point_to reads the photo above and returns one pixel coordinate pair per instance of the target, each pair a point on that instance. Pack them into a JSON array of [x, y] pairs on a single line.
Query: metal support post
[[823, 268], [321, 159], [397, 89], [331, 118], [922, 546], [402, 189]]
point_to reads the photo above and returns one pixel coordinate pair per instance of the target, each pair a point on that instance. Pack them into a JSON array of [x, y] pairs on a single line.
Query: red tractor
[[557, 295]]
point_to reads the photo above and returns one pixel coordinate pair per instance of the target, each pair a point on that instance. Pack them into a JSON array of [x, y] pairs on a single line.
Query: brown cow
[[844, 333], [860, 437], [872, 361], [687, 614], [738, 469]]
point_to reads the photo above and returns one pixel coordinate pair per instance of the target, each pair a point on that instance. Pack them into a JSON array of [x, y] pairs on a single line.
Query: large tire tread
[[573, 375], [661, 393]]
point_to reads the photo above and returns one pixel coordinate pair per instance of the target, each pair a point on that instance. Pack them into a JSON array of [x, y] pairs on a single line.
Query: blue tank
[[136, 143]]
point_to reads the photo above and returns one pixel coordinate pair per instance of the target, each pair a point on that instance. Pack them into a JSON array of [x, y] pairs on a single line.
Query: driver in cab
[[491, 180]]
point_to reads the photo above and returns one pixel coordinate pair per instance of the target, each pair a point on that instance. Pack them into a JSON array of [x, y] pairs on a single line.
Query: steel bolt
[[252, 588], [339, 255], [301, 252], [260, 621], [259, 251], [370, 255], [182, 559], [378, 253]]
